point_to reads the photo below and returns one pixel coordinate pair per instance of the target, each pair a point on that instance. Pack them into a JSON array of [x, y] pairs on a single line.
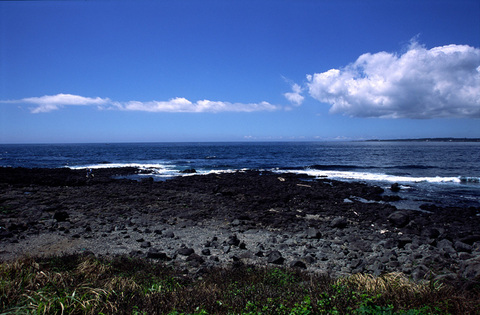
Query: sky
[[263, 70]]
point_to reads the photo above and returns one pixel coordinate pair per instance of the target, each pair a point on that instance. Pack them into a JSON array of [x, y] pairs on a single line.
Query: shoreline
[[248, 217]]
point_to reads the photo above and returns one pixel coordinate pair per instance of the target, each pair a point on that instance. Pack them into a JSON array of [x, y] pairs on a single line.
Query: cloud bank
[[421, 83], [50, 103]]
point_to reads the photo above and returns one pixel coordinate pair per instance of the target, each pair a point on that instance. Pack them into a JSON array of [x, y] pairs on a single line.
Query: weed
[[79, 284]]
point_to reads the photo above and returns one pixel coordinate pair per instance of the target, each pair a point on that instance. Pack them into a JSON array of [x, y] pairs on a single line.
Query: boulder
[[169, 234], [186, 251], [154, 253], [399, 218], [61, 216], [313, 233], [462, 247], [339, 222], [233, 240], [275, 257], [395, 187], [298, 264], [471, 268], [189, 171], [195, 259], [145, 245]]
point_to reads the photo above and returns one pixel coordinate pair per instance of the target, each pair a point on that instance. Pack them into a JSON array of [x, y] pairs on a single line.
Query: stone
[[402, 241], [298, 264], [195, 258], [233, 240], [156, 254], [206, 252], [186, 251], [275, 257], [145, 245], [339, 222], [471, 268], [61, 216], [399, 218], [470, 239], [313, 233], [462, 247], [169, 234], [189, 171], [395, 187], [446, 246]]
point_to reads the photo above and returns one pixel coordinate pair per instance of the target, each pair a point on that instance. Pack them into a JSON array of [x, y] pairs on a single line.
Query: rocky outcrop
[[247, 217]]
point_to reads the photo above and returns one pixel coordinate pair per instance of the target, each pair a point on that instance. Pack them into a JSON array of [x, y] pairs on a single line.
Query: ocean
[[442, 173]]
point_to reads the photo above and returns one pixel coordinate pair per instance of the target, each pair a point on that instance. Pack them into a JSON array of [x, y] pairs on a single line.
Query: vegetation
[[79, 284]]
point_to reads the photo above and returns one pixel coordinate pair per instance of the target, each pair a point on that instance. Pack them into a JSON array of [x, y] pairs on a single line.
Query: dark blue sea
[[444, 173]]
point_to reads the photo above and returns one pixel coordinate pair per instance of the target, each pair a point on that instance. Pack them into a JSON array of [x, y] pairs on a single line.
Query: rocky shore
[[252, 217]]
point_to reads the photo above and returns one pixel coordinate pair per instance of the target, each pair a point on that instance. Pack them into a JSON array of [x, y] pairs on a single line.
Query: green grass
[[78, 284]]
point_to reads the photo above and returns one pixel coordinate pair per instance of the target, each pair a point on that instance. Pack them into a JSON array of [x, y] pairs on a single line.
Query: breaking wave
[[367, 176]]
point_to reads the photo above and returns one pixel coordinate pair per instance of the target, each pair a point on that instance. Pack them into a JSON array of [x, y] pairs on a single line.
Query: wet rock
[[395, 187], [189, 171]]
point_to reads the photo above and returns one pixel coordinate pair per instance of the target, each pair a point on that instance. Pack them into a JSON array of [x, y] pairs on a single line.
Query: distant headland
[[429, 140]]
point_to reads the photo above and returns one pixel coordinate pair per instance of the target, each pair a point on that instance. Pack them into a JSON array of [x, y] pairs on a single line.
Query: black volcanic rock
[[298, 220], [275, 257], [399, 218]]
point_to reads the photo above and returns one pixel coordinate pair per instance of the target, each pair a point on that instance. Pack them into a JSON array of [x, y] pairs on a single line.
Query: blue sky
[[128, 71]]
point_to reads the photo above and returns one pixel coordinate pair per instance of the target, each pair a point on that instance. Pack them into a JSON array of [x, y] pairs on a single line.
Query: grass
[[78, 284]]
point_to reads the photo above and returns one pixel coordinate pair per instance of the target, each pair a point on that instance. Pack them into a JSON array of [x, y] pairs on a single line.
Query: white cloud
[[439, 82], [182, 105], [295, 97], [49, 103]]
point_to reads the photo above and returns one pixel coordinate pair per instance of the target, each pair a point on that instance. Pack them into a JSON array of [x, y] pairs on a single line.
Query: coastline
[[249, 217]]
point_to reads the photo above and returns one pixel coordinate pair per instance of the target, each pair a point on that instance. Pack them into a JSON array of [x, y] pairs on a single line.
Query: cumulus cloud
[[295, 97], [49, 103], [421, 83]]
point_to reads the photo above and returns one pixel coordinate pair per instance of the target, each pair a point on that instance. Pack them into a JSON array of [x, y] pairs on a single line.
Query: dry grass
[[88, 285]]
